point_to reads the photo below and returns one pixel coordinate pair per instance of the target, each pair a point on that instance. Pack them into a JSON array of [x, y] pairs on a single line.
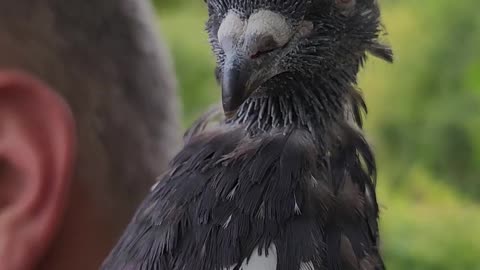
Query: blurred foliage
[[424, 117], [164, 5], [439, 92]]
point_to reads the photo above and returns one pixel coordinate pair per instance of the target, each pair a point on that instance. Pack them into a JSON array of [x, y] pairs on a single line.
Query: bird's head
[[258, 40]]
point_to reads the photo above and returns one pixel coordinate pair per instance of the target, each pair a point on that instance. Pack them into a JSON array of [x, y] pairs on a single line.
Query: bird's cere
[[264, 25], [231, 30], [262, 31]]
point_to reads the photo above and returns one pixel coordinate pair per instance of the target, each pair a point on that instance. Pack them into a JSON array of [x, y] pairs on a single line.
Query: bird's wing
[[352, 228], [231, 203], [212, 117], [227, 202]]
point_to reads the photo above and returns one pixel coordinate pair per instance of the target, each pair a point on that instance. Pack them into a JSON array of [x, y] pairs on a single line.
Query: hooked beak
[[243, 71], [237, 73]]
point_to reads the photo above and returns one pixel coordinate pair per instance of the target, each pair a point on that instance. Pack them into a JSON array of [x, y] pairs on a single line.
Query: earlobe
[[36, 159]]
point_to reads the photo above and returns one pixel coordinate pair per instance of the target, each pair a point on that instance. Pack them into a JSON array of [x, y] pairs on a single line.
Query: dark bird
[[285, 181]]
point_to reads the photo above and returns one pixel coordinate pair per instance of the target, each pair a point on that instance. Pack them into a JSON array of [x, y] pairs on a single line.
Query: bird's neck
[[294, 104]]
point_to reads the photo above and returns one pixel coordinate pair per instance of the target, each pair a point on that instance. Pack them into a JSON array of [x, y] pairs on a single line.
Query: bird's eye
[[265, 45], [260, 53], [345, 6]]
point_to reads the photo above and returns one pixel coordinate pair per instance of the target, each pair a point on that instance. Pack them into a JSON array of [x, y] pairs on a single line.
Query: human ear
[[36, 159]]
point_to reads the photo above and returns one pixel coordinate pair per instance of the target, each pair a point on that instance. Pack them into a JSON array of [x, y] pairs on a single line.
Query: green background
[[424, 122]]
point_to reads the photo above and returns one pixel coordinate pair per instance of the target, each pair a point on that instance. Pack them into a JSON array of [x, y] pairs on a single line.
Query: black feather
[[290, 175]]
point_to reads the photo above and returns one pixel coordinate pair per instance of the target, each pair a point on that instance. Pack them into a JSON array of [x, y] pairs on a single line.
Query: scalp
[[105, 59]]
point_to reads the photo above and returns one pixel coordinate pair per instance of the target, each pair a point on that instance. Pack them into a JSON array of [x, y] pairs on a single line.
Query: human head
[[87, 122]]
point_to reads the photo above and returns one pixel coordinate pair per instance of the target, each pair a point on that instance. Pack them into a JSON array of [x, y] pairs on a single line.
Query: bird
[[281, 176]]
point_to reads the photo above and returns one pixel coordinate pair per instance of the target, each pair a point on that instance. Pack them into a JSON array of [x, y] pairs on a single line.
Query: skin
[[286, 180], [85, 127]]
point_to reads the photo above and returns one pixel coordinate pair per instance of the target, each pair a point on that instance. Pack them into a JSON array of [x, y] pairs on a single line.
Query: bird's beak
[[235, 83]]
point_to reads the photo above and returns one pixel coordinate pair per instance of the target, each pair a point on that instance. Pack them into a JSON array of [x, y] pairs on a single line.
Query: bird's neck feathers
[[294, 101]]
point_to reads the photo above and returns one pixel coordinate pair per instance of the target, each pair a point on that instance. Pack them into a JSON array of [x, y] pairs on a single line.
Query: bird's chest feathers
[[248, 201], [266, 178]]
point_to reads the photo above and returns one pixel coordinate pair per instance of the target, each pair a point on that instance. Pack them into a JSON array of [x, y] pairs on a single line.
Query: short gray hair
[[104, 57]]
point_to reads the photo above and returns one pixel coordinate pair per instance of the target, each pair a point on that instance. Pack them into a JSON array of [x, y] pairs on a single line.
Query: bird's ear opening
[[381, 51]]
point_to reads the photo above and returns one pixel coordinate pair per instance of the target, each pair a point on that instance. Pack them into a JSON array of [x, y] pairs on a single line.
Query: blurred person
[[87, 122]]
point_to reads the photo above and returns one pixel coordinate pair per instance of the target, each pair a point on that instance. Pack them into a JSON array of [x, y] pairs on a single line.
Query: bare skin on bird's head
[[256, 43], [245, 43]]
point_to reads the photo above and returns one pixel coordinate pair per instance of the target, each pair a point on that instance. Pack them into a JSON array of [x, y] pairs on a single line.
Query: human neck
[[85, 237]]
